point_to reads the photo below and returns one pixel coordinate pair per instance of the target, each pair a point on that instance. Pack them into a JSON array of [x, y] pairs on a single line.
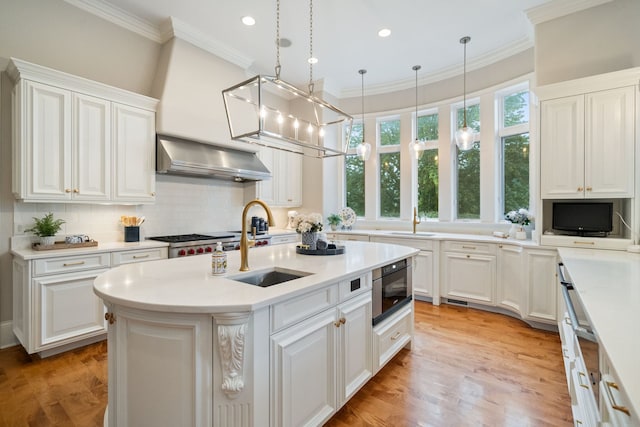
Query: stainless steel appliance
[[197, 244], [392, 289], [584, 332]]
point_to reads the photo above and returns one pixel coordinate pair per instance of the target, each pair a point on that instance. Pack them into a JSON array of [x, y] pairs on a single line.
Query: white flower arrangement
[[521, 216], [308, 223]]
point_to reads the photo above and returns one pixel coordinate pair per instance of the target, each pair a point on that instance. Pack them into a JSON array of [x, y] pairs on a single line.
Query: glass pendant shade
[[416, 148], [465, 137], [363, 150]]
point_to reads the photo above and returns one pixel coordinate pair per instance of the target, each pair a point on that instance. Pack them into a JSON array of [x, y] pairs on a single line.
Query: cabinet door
[[303, 372], [354, 348], [135, 169], [423, 274], [266, 189], [68, 309], [46, 143], [609, 143], [562, 148], [290, 179], [470, 277], [511, 284], [91, 148], [542, 284]]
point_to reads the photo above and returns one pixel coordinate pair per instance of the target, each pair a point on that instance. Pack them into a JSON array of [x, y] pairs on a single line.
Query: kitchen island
[[188, 348]]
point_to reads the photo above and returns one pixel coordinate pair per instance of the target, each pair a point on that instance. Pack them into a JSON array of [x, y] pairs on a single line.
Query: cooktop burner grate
[[181, 238]]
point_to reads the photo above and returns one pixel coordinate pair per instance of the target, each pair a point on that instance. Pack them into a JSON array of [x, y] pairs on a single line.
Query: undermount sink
[[270, 277], [409, 233]]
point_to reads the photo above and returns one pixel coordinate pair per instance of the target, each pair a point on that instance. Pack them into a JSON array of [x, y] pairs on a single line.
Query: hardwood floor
[[466, 368]]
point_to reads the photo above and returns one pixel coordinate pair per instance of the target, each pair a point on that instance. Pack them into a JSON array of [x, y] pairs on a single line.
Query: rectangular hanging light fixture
[[270, 112]]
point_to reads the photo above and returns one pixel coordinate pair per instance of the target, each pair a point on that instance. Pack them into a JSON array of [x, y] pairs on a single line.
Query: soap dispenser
[[219, 260]]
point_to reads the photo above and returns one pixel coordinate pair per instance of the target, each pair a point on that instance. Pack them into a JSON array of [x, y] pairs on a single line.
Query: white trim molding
[[7, 338], [558, 8]]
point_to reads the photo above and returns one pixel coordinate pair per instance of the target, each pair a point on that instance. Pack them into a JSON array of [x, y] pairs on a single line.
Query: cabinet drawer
[[391, 335], [281, 239], [470, 247], [296, 309], [128, 257], [354, 286], [412, 242], [348, 236], [69, 264]]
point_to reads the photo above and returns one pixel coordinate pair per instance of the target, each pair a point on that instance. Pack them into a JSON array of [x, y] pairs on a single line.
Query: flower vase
[[521, 234], [513, 230], [310, 239]]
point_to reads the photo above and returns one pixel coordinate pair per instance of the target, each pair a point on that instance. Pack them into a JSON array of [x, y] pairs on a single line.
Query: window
[[514, 137], [389, 149], [354, 173], [428, 167], [468, 168]]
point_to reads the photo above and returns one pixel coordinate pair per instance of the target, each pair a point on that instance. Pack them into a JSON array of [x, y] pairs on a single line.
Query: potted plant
[[46, 228], [334, 221], [308, 226], [518, 220]]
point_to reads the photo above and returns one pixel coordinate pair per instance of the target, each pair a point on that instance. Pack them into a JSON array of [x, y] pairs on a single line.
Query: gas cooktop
[[182, 238]]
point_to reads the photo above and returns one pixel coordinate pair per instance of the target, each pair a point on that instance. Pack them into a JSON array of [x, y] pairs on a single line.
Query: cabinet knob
[[110, 317], [67, 190], [589, 189], [580, 189], [153, 194], [336, 323], [468, 256], [343, 320], [75, 190]]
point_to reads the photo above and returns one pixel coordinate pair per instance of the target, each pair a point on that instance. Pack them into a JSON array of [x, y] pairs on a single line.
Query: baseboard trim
[[7, 339]]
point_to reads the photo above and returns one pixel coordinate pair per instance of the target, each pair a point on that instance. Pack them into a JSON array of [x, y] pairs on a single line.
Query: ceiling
[[424, 32]]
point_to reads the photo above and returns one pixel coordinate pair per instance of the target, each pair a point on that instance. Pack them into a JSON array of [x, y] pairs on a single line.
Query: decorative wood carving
[[231, 339]]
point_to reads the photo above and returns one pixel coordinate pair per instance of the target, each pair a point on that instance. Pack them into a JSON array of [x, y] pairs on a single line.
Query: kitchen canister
[[218, 260], [132, 234]]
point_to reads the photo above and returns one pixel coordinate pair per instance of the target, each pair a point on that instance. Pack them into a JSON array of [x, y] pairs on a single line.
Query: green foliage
[[390, 132], [390, 185], [334, 219], [515, 151], [46, 226], [428, 184], [516, 109], [356, 135], [354, 171], [428, 127], [469, 182]]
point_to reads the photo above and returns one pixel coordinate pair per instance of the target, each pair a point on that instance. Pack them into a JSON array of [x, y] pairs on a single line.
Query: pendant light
[[364, 148], [466, 135], [253, 117], [417, 146]]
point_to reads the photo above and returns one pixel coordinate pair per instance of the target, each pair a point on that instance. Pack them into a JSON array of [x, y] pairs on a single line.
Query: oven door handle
[[575, 325]]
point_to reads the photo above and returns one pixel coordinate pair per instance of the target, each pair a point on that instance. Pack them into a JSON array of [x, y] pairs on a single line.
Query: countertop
[[608, 285], [28, 253], [186, 285]]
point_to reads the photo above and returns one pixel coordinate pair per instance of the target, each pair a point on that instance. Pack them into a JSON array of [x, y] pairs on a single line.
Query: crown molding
[[558, 8], [119, 17], [181, 30], [505, 52]]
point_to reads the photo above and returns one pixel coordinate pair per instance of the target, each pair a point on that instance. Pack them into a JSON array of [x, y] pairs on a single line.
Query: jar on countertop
[[218, 260]]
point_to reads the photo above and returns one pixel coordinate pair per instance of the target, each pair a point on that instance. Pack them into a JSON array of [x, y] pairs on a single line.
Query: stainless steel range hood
[[185, 157]]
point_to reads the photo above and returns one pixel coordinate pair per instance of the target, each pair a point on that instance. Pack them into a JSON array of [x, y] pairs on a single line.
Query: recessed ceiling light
[[312, 60], [248, 21], [385, 32]]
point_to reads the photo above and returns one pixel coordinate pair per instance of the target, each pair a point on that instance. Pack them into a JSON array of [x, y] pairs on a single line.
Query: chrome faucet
[[246, 243], [416, 219]]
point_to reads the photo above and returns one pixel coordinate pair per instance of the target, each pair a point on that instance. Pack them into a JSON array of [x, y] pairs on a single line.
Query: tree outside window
[[515, 151], [468, 168], [354, 173], [389, 131], [428, 167]]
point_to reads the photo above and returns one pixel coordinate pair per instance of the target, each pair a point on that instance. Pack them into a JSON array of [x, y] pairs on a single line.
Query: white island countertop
[[186, 285], [608, 285]]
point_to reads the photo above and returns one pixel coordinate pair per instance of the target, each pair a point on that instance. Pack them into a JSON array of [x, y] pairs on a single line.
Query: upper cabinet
[[587, 140], [284, 189], [80, 141]]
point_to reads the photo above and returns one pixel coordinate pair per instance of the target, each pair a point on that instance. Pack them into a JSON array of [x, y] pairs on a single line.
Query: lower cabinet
[[511, 276], [469, 272], [319, 363], [542, 289], [392, 335]]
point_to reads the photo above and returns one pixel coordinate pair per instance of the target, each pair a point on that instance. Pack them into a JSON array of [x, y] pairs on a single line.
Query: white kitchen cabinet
[[391, 335], [320, 362], [587, 145], [511, 277], [284, 238], [348, 236], [542, 284], [42, 142], [79, 141], [469, 272], [135, 168], [284, 189], [138, 255]]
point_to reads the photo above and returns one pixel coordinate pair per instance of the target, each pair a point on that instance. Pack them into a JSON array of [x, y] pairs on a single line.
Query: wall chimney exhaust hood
[[185, 157]]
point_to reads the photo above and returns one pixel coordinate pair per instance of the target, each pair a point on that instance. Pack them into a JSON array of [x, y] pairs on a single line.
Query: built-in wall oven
[[584, 332], [392, 289]]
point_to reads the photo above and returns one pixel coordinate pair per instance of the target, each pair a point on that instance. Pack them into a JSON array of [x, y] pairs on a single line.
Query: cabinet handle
[[580, 375], [71, 264], [75, 190], [336, 323], [153, 194], [67, 190], [468, 256], [110, 317], [589, 189], [580, 189], [500, 246], [568, 321], [468, 247], [343, 320], [140, 256], [614, 405], [564, 353], [396, 336], [583, 243]]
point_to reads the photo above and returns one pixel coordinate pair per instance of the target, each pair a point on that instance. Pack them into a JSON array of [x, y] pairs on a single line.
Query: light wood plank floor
[[467, 368]]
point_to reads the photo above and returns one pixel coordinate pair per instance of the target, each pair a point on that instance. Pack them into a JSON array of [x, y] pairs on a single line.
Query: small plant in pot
[[334, 221], [46, 228]]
